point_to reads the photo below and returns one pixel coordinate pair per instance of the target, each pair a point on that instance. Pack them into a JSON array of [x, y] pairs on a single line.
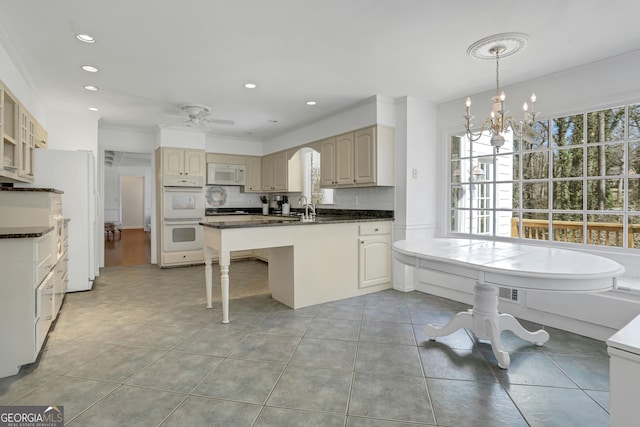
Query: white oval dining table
[[493, 264]]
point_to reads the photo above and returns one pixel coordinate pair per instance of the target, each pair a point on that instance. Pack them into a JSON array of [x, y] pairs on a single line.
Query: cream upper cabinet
[[344, 159], [20, 132], [9, 129], [179, 161], [327, 148], [226, 159], [267, 173], [253, 182], [26, 145], [194, 163], [281, 173], [364, 153], [42, 137], [362, 158]]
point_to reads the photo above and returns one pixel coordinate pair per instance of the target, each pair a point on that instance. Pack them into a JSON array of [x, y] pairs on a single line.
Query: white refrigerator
[[74, 172]]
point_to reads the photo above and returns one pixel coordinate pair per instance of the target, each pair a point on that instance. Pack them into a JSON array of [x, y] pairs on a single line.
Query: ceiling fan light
[[85, 38]]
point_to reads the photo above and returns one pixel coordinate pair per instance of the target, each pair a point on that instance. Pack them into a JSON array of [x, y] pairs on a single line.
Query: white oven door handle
[[183, 189], [182, 221]]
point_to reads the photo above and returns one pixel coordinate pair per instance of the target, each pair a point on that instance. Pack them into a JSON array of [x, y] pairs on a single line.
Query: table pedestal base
[[486, 323]]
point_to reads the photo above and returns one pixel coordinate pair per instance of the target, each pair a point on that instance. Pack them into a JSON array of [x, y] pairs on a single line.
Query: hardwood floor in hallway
[[132, 248]]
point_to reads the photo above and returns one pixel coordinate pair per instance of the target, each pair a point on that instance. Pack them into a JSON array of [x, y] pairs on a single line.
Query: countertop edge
[[24, 232], [286, 222]]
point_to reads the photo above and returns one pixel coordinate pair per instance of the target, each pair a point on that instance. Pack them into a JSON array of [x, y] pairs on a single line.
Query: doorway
[[127, 208]]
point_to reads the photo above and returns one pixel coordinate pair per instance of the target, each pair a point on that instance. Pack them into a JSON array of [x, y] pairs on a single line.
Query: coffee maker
[[276, 204]]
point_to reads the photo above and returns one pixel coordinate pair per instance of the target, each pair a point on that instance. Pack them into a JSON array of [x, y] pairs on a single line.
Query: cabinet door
[[26, 145], [10, 135], [194, 162], [328, 162], [41, 136], [280, 173], [374, 260], [365, 156], [253, 181], [267, 173], [344, 159], [172, 161]]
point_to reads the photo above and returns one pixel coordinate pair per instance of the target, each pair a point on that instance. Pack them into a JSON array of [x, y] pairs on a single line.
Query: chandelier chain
[[497, 49]]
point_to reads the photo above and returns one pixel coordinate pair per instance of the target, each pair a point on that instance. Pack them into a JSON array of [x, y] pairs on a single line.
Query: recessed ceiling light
[[311, 102], [250, 85], [93, 109], [90, 68], [86, 38], [91, 88]]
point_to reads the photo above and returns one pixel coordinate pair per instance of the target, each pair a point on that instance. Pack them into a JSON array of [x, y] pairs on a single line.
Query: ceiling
[[155, 55]]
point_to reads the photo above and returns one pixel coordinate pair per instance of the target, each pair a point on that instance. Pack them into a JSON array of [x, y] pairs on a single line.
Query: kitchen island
[[309, 262]]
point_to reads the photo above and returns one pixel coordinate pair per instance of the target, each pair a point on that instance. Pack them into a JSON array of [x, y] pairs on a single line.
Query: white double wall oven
[[182, 209]]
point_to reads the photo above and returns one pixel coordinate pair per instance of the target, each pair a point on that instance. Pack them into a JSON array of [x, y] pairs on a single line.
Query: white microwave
[[222, 174]]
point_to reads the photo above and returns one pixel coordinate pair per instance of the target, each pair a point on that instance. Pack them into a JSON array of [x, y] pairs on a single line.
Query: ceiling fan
[[197, 116]]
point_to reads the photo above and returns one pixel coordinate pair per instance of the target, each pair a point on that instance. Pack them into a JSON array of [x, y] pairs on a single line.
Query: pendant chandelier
[[499, 122]]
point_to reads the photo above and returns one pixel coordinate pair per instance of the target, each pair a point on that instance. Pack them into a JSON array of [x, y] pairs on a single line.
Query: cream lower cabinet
[[27, 298], [374, 254]]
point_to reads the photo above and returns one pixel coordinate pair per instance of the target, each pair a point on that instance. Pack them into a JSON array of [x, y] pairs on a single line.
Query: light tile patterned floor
[[141, 349]]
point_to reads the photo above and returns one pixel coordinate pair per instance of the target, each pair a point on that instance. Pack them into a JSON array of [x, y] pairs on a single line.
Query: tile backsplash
[[370, 198], [229, 196]]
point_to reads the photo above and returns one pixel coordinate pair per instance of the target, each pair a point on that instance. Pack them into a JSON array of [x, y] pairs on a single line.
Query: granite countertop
[[24, 232], [277, 221], [298, 211], [32, 189]]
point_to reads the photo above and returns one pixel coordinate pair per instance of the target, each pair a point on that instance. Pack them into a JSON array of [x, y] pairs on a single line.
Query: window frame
[[586, 144]]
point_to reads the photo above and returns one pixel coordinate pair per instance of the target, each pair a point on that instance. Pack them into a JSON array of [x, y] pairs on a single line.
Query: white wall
[[181, 138], [229, 145], [356, 116], [416, 152], [15, 81]]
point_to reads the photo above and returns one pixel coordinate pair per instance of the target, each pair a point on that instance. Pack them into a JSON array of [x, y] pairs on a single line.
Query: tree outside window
[[571, 179]]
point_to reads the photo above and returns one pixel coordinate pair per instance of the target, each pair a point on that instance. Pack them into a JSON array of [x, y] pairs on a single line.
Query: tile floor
[[142, 350]]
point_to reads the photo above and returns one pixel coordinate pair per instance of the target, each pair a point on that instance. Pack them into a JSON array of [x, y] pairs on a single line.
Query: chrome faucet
[[302, 200]]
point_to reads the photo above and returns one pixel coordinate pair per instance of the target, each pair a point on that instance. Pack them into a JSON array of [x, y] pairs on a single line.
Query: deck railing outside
[[598, 233]]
